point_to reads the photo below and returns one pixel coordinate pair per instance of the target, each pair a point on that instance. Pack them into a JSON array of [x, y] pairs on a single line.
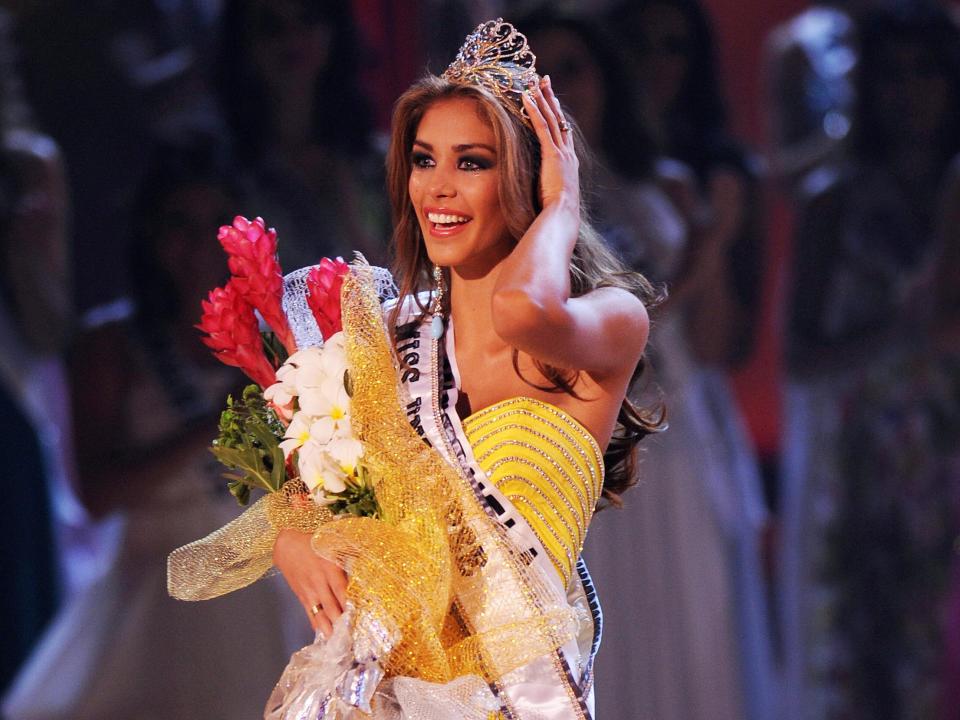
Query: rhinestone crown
[[496, 56]]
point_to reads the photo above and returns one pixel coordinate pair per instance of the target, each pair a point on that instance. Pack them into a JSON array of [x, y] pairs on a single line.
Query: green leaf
[[240, 490], [278, 474], [249, 442], [248, 463], [357, 499]]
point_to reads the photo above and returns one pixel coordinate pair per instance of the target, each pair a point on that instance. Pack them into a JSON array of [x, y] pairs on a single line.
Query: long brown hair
[[592, 265]]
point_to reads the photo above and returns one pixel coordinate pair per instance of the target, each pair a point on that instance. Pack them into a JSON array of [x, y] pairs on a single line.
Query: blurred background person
[[680, 564], [35, 321], [103, 78], [672, 44], [870, 515], [288, 80], [809, 67], [146, 395]]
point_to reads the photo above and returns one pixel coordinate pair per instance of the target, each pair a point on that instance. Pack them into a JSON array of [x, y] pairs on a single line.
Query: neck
[[470, 308]]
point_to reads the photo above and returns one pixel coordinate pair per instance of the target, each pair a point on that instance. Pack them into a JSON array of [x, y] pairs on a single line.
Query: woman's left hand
[[559, 166]]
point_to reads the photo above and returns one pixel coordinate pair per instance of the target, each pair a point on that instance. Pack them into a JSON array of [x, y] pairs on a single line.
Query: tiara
[[496, 56]]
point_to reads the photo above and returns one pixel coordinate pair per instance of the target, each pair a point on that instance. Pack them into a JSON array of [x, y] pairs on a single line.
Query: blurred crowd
[[815, 577]]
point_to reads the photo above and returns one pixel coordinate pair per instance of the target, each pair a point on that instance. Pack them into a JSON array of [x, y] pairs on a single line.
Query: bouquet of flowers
[[319, 441], [293, 425]]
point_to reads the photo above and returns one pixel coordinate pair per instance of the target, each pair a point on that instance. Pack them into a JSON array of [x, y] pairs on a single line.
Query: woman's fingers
[[320, 621], [553, 121], [544, 119], [535, 114], [552, 112], [327, 583], [338, 584], [554, 104], [325, 608], [558, 170]]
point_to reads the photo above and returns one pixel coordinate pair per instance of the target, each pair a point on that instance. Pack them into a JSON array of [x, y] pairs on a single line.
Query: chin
[[448, 252], [474, 255], [445, 257]]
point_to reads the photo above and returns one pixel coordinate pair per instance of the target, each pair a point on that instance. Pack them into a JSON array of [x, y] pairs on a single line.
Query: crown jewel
[[496, 56]]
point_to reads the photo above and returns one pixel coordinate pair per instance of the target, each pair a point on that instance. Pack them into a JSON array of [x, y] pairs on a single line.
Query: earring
[[436, 324]]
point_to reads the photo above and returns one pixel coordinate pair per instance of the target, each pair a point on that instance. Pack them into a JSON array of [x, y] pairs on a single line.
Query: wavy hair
[[592, 265]]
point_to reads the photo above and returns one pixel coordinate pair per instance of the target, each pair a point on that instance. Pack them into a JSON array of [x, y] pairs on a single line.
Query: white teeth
[[446, 219]]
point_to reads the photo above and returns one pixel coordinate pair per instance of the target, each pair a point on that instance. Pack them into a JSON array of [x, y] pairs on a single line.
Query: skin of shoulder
[[602, 333]]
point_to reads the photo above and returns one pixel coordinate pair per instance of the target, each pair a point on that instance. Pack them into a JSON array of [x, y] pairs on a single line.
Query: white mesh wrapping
[[384, 284], [305, 330]]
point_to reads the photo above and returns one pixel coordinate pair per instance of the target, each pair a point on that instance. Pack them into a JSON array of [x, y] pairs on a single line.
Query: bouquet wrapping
[[441, 603]]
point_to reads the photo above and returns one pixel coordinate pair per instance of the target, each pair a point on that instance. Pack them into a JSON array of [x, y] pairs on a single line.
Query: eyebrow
[[458, 148]]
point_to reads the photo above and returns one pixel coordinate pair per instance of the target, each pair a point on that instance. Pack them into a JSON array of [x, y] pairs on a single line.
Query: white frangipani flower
[[347, 452], [330, 399], [297, 434], [320, 470], [327, 429], [304, 367], [282, 400], [320, 434]]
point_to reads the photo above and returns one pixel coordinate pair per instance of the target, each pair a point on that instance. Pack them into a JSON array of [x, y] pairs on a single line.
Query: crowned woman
[[489, 398]]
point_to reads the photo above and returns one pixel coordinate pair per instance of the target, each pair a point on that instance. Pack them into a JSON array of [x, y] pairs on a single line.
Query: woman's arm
[[602, 332]]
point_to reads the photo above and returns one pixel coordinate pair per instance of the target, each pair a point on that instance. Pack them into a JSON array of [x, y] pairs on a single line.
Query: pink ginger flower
[[323, 285], [252, 251], [232, 333]]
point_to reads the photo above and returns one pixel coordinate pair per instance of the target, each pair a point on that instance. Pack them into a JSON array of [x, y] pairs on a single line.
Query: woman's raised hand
[[320, 585], [559, 166]]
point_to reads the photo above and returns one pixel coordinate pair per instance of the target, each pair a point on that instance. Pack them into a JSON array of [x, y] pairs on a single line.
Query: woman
[[144, 397], [35, 317], [550, 331], [674, 48], [640, 197], [871, 428], [308, 148]]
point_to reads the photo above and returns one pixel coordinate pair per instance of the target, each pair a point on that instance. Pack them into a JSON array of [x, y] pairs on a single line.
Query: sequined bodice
[[547, 464]]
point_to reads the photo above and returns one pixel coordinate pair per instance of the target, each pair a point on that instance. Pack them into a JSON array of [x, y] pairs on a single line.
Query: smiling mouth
[[445, 221]]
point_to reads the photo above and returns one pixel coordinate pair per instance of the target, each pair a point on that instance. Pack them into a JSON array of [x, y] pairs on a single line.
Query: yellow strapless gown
[[547, 464]]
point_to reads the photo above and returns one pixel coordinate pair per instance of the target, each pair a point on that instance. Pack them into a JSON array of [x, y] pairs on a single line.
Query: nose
[[442, 185]]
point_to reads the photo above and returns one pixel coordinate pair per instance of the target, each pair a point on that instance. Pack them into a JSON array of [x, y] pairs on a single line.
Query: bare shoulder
[[619, 303], [623, 320]]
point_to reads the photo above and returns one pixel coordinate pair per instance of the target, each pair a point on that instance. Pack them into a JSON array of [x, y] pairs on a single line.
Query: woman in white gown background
[[145, 397]]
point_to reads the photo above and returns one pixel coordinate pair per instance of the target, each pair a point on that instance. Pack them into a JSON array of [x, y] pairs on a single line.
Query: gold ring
[[315, 609], [565, 126]]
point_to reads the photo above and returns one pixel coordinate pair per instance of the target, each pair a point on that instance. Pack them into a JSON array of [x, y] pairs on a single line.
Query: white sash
[[553, 687]]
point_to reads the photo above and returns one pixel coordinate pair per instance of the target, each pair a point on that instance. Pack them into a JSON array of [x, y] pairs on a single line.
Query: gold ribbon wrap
[[440, 590], [241, 552]]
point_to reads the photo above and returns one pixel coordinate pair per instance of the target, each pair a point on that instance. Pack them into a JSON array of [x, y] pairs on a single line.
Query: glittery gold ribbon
[[439, 588], [241, 552]]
